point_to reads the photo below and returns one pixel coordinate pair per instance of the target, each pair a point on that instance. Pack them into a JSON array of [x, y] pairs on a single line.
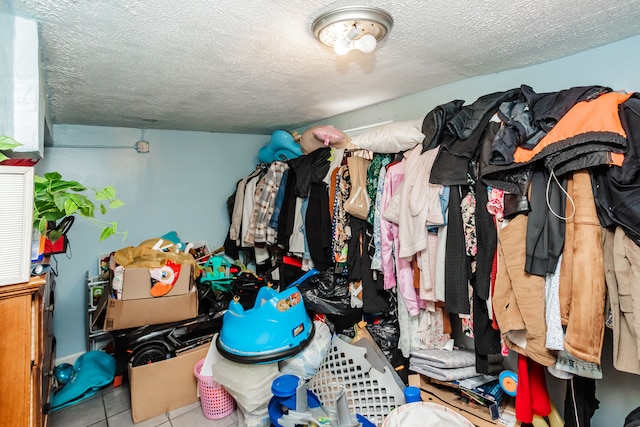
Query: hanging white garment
[[247, 208]]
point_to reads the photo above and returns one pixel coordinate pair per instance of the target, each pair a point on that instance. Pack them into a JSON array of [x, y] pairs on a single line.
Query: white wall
[[22, 106], [181, 185], [6, 70], [616, 66]]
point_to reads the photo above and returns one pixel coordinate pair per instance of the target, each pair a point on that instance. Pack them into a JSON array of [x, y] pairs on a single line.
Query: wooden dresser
[[27, 351]]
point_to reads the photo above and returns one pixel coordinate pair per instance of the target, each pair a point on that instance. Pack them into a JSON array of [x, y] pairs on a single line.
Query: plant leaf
[[54, 235], [70, 207], [59, 186], [116, 203], [37, 179], [106, 233], [87, 210], [42, 225], [52, 176], [8, 143], [106, 193], [103, 209]]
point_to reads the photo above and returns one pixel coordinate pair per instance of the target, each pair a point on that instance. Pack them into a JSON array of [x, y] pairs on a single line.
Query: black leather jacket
[[461, 137], [617, 190]]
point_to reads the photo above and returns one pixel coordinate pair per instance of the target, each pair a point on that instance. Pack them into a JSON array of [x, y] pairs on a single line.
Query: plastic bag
[[325, 293], [306, 363]]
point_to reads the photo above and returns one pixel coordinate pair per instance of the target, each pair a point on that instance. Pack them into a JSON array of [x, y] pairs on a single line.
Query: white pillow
[[391, 138]]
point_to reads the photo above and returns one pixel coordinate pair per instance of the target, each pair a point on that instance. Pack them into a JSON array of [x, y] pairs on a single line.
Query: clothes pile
[[450, 365]]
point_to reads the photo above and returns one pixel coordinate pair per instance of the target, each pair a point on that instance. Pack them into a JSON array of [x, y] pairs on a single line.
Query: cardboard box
[[478, 415], [160, 387], [138, 308], [136, 283]]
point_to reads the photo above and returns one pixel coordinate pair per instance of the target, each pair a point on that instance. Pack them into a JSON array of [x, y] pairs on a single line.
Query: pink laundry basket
[[215, 401]]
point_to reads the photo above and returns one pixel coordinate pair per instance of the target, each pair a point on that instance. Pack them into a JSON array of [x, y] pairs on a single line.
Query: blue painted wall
[[181, 185]]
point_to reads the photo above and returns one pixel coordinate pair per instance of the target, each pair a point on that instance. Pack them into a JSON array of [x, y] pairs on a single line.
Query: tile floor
[[111, 407]]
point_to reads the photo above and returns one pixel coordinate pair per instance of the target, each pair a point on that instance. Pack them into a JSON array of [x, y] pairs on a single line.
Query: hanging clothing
[[457, 267], [576, 142], [253, 186], [375, 298], [582, 286], [546, 225], [396, 270], [376, 260], [580, 402], [297, 244], [275, 216], [518, 298], [531, 117], [238, 205], [622, 270], [617, 190], [435, 122], [461, 140], [532, 397], [287, 211], [378, 163], [310, 168], [264, 204], [318, 226], [419, 202], [555, 333], [340, 220]]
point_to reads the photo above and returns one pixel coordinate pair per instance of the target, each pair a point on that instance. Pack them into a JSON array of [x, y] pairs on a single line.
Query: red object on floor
[[531, 395], [117, 381]]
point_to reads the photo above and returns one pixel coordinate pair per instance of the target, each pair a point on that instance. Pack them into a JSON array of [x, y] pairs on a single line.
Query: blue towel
[[92, 371]]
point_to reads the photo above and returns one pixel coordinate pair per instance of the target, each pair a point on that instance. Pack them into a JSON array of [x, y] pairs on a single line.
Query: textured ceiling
[[247, 66]]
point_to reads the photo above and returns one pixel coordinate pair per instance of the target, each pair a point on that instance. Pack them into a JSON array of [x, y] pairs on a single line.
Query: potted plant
[[55, 199]]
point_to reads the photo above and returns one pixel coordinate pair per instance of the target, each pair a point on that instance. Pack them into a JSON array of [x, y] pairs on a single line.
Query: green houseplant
[[55, 199]]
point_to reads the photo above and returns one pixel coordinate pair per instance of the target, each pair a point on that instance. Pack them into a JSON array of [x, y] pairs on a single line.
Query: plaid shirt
[[264, 204]]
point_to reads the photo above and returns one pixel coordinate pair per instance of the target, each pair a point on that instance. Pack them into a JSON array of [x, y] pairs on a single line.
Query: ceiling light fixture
[[352, 27]]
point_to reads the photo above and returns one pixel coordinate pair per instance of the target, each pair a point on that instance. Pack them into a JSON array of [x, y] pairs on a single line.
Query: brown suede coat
[[582, 284], [519, 297]]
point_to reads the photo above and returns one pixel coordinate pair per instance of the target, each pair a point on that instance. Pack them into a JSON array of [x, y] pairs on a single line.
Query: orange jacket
[[588, 121], [589, 134]]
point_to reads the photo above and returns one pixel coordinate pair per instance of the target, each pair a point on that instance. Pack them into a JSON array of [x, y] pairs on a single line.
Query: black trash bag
[[325, 293], [385, 331], [386, 334]]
